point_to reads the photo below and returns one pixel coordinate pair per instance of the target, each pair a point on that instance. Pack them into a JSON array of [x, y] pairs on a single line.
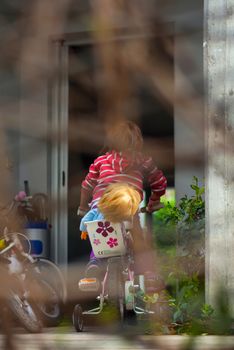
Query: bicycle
[[14, 293], [120, 286], [44, 269]]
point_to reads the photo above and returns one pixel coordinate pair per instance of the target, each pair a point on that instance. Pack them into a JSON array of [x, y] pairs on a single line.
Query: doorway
[[155, 121], [76, 116]]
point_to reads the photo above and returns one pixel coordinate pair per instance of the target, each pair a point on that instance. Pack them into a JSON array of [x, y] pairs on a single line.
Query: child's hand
[[154, 206], [81, 211]]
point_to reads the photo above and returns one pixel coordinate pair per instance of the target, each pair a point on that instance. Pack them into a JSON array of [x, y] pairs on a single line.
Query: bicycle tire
[[50, 309], [52, 274], [25, 313], [78, 318]]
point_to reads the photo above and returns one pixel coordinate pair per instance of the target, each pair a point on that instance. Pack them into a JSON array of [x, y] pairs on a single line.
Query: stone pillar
[[219, 78]]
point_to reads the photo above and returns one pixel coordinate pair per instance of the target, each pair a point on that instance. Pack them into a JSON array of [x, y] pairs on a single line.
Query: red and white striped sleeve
[[156, 180], [91, 178]]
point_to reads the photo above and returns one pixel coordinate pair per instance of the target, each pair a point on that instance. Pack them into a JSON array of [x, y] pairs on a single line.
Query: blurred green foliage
[[179, 232], [181, 229], [182, 225]]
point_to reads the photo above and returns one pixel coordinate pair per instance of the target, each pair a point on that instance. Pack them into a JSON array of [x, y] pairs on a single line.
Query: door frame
[[58, 160], [59, 154]]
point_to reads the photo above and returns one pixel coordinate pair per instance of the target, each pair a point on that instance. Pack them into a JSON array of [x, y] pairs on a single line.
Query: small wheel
[[78, 318]]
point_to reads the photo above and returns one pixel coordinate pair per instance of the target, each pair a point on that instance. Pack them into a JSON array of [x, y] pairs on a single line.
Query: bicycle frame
[[130, 289]]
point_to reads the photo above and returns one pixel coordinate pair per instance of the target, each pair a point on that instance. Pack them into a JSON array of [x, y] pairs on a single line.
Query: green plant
[[187, 303], [186, 282], [191, 223], [164, 225], [207, 311], [184, 227]]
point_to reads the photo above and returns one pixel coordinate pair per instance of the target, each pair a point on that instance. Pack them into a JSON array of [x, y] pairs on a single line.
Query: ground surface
[[64, 338]]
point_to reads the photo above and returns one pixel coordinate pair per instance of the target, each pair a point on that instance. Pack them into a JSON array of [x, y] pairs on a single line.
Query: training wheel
[[78, 318]]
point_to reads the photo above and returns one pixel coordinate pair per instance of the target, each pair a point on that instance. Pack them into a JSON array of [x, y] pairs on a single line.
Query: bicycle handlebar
[[13, 240], [10, 246]]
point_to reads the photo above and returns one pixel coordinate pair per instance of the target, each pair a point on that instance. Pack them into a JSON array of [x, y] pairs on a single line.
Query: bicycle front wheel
[[115, 288]]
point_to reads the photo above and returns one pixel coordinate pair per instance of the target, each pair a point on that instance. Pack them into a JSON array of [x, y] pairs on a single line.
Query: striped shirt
[[113, 167]]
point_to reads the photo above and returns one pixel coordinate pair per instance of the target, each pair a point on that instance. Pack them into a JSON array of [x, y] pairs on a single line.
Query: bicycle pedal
[[89, 284]]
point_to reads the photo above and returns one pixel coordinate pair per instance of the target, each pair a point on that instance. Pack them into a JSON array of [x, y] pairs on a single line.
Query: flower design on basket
[[96, 241], [104, 228], [113, 242]]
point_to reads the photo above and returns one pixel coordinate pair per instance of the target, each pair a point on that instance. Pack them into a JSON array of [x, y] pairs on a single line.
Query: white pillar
[[219, 74]]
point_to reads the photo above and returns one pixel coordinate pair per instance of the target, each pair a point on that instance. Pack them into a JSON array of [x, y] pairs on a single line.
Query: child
[[124, 162]]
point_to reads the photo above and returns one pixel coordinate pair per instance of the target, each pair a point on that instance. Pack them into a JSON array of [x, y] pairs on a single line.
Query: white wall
[[189, 135], [33, 145]]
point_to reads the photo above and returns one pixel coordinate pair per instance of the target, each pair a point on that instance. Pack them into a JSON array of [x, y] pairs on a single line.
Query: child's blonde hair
[[119, 202], [124, 136]]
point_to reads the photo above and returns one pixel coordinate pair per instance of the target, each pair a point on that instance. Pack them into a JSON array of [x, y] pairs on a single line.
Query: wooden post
[[219, 79]]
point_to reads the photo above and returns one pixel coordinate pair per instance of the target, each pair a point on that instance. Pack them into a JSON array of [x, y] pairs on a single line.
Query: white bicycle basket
[[106, 238]]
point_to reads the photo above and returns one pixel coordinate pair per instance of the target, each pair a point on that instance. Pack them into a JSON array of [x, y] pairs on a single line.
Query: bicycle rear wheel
[[50, 307], [51, 273]]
